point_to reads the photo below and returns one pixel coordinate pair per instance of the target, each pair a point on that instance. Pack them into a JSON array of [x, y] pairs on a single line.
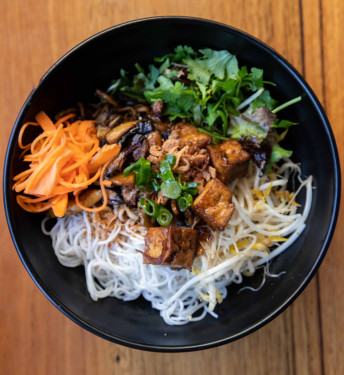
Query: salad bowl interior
[[93, 64]]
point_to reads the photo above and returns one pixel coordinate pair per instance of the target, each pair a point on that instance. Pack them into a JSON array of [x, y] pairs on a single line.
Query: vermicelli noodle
[[265, 223]]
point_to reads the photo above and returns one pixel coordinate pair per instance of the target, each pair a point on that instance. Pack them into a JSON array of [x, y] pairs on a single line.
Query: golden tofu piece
[[188, 135], [175, 247], [214, 205], [230, 160]]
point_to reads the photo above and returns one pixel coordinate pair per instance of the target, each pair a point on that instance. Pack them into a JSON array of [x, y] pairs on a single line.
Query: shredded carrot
[[65, 158], [45, 122], [59, 204]]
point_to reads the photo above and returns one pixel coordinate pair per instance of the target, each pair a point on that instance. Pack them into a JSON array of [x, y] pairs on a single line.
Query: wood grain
[[331, 275], [35, 337]]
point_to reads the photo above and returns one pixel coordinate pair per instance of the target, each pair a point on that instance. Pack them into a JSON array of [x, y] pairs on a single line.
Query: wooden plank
[[308, 321], [331, 278], [38, 339]]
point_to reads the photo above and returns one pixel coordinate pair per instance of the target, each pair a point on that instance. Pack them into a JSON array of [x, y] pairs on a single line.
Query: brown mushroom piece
[[102, 131], [114, 135], [230, 160], [120, 180], [88, 198], [214, 205], [175, 247], [140, 146]]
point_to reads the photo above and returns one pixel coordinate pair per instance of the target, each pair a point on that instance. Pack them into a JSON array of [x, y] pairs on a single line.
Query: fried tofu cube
[[188, 135], [230, 160], [175, 247], [214, 205]]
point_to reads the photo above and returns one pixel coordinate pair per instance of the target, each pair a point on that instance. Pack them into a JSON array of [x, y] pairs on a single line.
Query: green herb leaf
[[180, 53], [277, 153], [256, 79], [198, 71], [222, 64], [284, 124], [264, 100]]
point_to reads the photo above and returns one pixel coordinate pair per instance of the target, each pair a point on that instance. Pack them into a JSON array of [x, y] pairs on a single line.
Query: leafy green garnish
[[208, 89], [278, 153], [243, 127], [283, 124], [264, 100], [221, 64], [204, 87]]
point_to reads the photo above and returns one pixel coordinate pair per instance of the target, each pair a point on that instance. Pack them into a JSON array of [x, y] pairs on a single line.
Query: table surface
[[35, 338]]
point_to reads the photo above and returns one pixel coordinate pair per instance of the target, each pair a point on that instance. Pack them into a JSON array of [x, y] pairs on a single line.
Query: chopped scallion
[[171, 158], [171, 189], [164, 217], [149, 207], [184, 202]]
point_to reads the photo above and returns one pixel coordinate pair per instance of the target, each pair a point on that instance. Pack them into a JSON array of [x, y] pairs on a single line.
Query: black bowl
[[92, 64]]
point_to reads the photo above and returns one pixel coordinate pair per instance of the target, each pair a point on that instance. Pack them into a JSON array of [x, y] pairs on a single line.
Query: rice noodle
[[114, 267]]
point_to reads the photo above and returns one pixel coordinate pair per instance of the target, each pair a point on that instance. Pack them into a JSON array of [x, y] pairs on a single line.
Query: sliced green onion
[[171, 158], [191, 187], [130, 169], [164, 216], [149, 207], [184, 202], [192, 191], [188, 185], [165, 169], [155, 184], [171, 189], [143, 174]]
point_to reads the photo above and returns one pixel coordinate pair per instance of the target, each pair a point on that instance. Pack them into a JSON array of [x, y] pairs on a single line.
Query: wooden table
[[35, 338]]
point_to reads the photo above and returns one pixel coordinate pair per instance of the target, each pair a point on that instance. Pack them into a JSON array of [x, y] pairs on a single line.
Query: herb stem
[[269, 83], [214, 135], [250, 99], [287, 104]]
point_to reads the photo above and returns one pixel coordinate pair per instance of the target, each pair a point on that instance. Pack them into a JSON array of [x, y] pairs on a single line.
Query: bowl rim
[[335, 206]]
